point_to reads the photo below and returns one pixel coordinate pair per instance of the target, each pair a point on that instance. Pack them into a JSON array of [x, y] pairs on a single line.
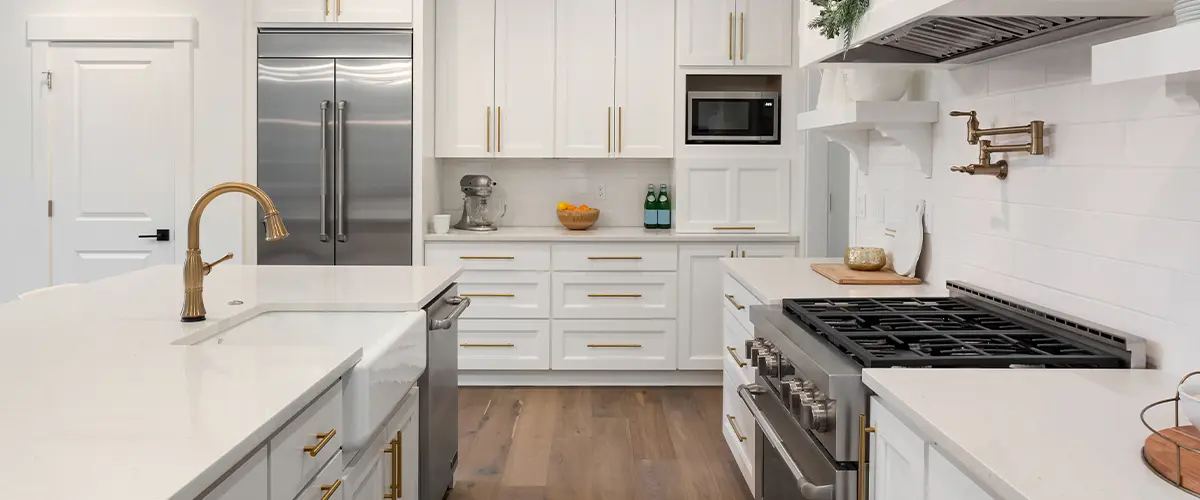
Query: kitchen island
[[102, 390]]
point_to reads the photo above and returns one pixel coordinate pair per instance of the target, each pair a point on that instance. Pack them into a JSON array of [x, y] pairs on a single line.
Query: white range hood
[[967, 31]]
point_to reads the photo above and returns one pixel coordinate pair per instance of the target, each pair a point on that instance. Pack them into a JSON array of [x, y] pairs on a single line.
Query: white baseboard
[[589, 378]]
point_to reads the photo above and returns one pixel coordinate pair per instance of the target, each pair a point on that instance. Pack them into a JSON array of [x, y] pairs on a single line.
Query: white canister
[[877, 84], [441, 224]]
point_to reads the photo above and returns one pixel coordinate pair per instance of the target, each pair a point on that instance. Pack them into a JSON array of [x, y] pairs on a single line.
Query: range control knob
[[787, 387], [785, 367], [802, 407], [822, 411], [769, 365]]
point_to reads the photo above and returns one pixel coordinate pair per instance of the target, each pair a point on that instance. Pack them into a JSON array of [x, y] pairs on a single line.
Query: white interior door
[[706, 32], [113, 143], [524, 78], [645, 78], [584, 84]]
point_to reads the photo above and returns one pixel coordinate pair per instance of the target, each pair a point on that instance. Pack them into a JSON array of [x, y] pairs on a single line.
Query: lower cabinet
[[904, 466], [510, 344], [387, 468], [647, 344], [328, 483]]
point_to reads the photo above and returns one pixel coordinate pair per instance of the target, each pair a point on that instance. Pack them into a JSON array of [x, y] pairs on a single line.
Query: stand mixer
[[480, 211]]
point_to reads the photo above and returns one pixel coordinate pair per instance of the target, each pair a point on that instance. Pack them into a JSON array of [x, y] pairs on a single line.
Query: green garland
[[839, 18]]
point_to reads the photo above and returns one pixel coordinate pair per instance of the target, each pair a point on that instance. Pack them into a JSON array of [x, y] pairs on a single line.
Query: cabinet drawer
[[738, 428], [494, 256], [736, 363], [292, 461], [738, 300], [615, 295], [615, 257], [503, 344], [506, 294], [327, 482], [613, 345]]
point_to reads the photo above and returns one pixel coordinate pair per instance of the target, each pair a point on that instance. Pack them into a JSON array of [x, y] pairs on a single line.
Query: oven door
[[791, 465], [733, 118]]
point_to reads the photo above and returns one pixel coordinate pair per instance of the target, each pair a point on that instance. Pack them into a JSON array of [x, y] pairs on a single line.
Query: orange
[[584, 207], [570, 207]]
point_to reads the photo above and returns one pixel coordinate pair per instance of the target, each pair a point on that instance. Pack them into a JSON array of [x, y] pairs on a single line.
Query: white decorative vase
[[833, 89], [1187, 11], [877, 84]]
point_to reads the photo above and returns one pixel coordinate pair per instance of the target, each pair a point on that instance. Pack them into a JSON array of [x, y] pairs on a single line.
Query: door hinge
[[49, 208], [49, 79]]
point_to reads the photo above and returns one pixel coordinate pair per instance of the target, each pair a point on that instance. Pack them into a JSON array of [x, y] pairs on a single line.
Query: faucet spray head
[[275, 229]]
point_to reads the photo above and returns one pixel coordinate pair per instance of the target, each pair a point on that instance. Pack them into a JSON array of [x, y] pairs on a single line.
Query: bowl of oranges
[[577, 218]]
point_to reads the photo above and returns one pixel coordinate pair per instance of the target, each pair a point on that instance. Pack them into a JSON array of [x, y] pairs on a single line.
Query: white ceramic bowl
[[877, 84], [1189, 400]]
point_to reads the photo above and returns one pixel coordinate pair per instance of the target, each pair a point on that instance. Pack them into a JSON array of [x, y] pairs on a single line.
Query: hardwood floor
[[594, 444]]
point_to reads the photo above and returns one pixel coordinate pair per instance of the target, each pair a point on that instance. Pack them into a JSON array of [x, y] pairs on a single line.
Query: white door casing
[[524, 44], [585, 52], [112, 134], [645, 78]]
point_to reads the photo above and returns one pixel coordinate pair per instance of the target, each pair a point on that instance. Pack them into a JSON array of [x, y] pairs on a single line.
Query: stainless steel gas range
[[808, 398]]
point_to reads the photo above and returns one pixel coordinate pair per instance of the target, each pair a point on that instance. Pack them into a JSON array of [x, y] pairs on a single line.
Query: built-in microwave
[[732, 117]]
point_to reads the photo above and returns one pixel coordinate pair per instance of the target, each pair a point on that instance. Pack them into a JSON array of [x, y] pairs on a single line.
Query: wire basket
[[1180, 448]]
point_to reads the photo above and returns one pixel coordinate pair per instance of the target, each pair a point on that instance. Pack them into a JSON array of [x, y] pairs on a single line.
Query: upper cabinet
[[734, 32], [331, 11], [614, 80], [495, 78]]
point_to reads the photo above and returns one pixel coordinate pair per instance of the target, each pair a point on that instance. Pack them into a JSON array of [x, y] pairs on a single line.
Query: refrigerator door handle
[[324, 171], [340, 167]]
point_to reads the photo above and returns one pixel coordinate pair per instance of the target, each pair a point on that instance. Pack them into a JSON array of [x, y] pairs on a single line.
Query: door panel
[[586, 118], [705, 196], [701, 331], [645, 78], [378, 164], [706, 32], [290, 95], [763, 195], [293, 11], [374, 11], [764, 32], [114, 139], [524, 114], [466, 64]]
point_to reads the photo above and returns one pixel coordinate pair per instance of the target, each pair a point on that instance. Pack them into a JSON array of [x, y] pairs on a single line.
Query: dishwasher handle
[[808, 490], [460, 306]]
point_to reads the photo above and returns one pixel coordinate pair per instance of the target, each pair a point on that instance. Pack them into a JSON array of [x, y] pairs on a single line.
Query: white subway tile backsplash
[[1164, 142]]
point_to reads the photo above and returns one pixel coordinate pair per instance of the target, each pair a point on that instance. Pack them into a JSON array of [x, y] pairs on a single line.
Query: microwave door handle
[[808, 490]]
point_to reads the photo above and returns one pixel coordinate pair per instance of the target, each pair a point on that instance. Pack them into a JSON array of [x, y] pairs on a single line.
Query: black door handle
[[159, 235]]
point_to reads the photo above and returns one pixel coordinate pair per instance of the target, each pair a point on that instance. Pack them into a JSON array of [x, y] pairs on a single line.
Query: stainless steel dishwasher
[[439, 395]]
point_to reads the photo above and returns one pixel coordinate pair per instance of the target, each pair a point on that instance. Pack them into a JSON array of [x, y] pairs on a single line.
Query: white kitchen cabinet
[[329, 11], [503, 344], [733, 195], [625, 295], [897, 462], [248, 482], [495, 78], [614, 80], [946, 482], [766, 250], [734, 32], [389, 464], [643, 344]]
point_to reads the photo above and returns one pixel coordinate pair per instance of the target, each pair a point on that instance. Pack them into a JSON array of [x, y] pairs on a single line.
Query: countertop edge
[[215, 471], [957, 455], [601, 238], [748, 283], [432, 294]]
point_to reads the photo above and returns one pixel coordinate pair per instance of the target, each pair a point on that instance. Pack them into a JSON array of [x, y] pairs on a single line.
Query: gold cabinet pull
[[742, 36], [330, 488], [499, 126], [339, 5], [733, 425], [734, 302], [615, 346], [736, 359], [486, 257], [392, 487], [616, 295], [731, 254], [326, 8], [743, 254], [730, 36], [487, 295], [487, 345], [620, 129], [863, 465], [325, 438], [399, 463], [488, 124], [620, 257], [734, 228], [608, 129]]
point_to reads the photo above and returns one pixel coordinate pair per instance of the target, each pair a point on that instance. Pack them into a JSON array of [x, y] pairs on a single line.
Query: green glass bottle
[[651, 208], [664, 208]]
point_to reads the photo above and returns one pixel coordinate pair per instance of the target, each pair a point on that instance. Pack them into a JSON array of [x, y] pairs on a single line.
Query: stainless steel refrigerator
[[335, 111]]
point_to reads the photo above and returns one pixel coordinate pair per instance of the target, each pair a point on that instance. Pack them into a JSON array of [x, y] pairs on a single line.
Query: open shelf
[[908, 122], [1169, 53]]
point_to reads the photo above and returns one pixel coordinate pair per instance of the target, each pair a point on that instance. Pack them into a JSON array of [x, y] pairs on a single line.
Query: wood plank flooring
[[588, 443]]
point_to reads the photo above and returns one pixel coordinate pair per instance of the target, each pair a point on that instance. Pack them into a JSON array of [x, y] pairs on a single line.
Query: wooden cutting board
[[1160, 455], [842, 275]]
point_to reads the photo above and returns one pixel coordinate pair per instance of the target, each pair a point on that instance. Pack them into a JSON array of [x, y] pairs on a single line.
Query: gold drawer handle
[[863, 465], [393, 450], [629, 257], [734, 302], [736, 359], [329, 489], [486, 257], [618, 346], [734, 228], [325, 438], [616, 295], [733, 425], [487, 345], [487, 295]]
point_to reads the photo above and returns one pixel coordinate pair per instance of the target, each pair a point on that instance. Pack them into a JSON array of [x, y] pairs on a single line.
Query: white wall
[[1105, 227], [532, 188], [218, 127]]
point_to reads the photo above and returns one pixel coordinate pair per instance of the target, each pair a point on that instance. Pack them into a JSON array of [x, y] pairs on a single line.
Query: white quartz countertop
[[98, 392], [1037, 434], [772, 280], [627, 234]]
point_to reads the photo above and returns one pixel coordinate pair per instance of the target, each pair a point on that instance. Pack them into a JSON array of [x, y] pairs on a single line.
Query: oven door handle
[[808, 490]]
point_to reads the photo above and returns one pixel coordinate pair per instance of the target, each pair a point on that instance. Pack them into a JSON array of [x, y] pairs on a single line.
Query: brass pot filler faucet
[[1036, 145], [194, 268]]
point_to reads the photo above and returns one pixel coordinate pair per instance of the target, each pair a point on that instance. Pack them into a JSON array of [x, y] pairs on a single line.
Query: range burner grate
[[938, 332]]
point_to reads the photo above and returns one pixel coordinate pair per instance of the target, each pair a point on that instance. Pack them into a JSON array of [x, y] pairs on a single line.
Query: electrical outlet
[[601, 193]]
